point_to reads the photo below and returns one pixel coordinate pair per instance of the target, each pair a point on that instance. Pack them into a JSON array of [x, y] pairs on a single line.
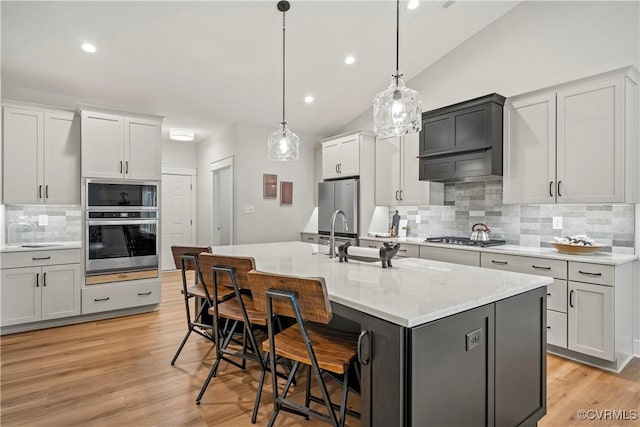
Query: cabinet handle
[[46, 191], [37, 280], [309, 238], [493, 261], [40, 192], [550, 187], [586, 273], [397, 193], [548, 327], [359, 349], [401, 194], [559, 194], [102, 299], [541, 268], [126, 164], [120, 166], [548, 294], [372, 246], [402, 250], [336, 168], [44, 279], [571, 298], [144, 293], [339, 167], [42, 258]]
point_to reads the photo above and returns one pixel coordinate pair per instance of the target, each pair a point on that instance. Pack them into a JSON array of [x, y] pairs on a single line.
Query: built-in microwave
[[109, 195]]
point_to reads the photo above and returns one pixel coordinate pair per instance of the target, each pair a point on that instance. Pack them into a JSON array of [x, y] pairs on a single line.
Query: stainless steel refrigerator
[[343, 195]]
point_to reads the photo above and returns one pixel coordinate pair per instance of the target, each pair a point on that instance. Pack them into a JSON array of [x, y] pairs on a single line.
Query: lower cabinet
[[481, 367], [30, 294], [591, 320], [98, 298], [407, 250], [309, 237], [455, 256]]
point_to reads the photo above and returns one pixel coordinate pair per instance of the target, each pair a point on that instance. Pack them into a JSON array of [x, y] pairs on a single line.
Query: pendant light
[[397, 110], [283, 144]]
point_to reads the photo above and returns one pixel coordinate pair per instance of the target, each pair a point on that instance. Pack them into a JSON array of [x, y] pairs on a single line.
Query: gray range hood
[[462, 141]]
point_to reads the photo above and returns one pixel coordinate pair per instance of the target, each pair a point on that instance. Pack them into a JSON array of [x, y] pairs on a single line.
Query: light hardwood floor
[[117, 372]]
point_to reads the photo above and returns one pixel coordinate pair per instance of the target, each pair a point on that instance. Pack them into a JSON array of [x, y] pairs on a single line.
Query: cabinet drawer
[[591, 273], [309, 237], [374, 244], [556, 328], [523, 264], [123, 295], [455, 256], [40, 258], [557, 296], [408, 251]]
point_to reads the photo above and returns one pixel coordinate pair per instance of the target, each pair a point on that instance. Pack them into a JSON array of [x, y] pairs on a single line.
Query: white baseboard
[[636, 348]]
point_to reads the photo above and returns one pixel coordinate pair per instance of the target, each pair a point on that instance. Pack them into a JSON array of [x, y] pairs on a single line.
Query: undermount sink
[[40, 245]]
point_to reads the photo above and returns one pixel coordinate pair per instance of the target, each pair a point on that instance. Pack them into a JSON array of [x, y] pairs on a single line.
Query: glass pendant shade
[[397, 110], [283, 144]]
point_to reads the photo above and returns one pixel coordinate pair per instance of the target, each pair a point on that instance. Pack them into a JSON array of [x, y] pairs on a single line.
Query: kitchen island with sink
[[440, 344]]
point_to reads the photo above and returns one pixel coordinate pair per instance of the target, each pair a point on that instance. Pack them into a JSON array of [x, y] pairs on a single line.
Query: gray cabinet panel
[[451, 379], [521, 358]]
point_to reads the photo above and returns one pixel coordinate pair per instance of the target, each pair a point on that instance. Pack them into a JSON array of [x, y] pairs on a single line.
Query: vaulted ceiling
[[209, 64]]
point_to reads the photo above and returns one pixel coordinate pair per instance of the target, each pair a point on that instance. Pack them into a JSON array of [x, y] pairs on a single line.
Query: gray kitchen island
[[440, 344]]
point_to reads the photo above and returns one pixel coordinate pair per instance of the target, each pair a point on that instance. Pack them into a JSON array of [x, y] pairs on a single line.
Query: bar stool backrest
[[311, 293], [178, 251], [241, 265]]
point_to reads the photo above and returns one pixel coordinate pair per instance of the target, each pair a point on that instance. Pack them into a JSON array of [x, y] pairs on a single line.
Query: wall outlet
[[249, 209], [557, 223], [43, 219], [474, 339], [418, 219]]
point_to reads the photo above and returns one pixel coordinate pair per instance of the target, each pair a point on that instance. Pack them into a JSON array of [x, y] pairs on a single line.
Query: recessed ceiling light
[[309, 99], [413, 4], [181, 134], [88, 47], [349, 60], [447, 4]]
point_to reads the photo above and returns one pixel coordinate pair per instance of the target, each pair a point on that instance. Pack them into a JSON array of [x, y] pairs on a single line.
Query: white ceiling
[[209, 64]]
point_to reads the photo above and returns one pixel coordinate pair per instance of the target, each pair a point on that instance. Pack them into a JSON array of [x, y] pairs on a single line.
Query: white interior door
[[176, 215], [222, 205]]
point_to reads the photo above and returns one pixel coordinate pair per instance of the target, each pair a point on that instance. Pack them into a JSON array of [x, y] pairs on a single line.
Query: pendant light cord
[[397, 41], [283, 67]]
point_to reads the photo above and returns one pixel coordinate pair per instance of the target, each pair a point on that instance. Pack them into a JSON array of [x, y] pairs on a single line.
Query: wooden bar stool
[[230, 272], [186, 259], [308, 341]]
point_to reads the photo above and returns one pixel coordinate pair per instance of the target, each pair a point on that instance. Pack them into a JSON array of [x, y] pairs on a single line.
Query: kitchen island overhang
[[442, 344]]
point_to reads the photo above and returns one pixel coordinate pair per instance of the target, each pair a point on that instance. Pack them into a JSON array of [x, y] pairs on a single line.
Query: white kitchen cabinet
[[397, 168], [99, 298], [591, 320], [341, 156], [573, 143], [309, 237], [41, 156], [115, 146], [454, 256], [406, 250], [36, 290]]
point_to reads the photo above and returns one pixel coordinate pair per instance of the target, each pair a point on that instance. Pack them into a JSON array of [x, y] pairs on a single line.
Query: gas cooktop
[[465, 241]]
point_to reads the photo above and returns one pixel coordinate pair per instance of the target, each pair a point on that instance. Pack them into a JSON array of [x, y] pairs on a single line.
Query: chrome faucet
[[332, 236]]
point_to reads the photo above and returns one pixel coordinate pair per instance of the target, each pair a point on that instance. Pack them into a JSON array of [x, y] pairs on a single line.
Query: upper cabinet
[[341, 156], [575, 143], [41, 161], [463, 140], [396, 174], [115, 146]]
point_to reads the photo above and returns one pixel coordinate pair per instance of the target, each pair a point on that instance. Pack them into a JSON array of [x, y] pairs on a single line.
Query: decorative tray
[[576, 249]]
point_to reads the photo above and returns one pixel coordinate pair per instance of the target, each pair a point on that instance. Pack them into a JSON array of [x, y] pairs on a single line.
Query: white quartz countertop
[[48, 246], [551, 253], [411, 293]]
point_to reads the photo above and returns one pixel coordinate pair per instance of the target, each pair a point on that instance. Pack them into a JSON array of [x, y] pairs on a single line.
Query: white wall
[[215, 148], [271, 221], [179, 154], [535, 45]]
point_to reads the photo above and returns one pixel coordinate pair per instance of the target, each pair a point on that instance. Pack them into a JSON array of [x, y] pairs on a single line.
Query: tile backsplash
[[467, 203], [21, 223]]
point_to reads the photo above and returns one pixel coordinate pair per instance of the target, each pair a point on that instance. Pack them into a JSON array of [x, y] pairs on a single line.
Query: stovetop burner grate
[[465, 241]]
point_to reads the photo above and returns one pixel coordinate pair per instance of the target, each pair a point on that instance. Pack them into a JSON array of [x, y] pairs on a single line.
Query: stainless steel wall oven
[[122, 227]]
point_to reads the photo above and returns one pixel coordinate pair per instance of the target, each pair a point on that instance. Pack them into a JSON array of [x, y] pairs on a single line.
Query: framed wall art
[[269, 186], [286, 193]]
